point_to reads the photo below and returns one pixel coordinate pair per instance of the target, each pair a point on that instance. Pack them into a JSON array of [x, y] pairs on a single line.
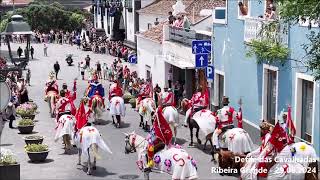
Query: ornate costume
[[51, 85], [145, 91], [93, 87], [115, 90], [98, 96], [168, 99], [160, 136]]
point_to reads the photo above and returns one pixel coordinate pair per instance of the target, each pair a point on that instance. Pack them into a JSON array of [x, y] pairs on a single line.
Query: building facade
[[265, 89]]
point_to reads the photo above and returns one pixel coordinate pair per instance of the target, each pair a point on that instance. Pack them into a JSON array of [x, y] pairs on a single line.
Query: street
[[63, 166]]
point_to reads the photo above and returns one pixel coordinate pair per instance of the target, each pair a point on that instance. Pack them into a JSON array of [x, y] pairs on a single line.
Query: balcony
[[184, 36], [253, 30]]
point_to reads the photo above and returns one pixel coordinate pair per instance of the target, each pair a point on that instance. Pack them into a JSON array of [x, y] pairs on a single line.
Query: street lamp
[[18, 26]]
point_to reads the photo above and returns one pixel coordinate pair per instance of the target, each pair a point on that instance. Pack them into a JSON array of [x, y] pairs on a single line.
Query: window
[[218, 88], [149, 26], [270, 94], [128, 4], [243, 8], [305, 89], [306, 22], [219, 15]]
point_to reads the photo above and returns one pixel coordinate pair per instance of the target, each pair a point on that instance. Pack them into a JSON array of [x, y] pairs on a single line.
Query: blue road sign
[[210, 72], [201, 46], [201, 60], [133, 59]]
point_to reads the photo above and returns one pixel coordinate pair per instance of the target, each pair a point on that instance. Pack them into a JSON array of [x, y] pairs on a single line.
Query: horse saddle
[[64, 113]]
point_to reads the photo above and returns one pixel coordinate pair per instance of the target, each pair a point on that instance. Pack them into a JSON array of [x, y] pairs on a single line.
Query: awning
[[180, 63]]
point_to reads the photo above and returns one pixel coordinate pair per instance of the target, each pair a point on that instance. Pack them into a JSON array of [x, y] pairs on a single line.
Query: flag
[[81, 117], [278, 138], [291, 130], [239, 117], [161, 128]]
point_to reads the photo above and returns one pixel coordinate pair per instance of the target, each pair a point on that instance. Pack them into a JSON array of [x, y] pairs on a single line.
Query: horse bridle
[[132, 146]]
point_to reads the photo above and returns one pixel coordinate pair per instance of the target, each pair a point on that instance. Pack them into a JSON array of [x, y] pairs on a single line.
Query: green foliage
[[43, 16], [3, 25], [313, 54], [127, 95], [25, 122], [294, 10], [36, 148], [267, 51], [7, 157]]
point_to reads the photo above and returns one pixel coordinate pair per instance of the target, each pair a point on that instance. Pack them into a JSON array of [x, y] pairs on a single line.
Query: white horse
[[88, 140], [117, 109], [146, 110], [174, 160], [291, 163], [97, 108], [65, 130], [171, 114]]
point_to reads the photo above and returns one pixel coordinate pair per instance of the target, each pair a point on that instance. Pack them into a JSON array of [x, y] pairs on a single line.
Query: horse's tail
[[94, 148]]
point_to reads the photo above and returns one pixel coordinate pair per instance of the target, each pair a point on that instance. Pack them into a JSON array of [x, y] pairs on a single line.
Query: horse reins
[[132, 146]]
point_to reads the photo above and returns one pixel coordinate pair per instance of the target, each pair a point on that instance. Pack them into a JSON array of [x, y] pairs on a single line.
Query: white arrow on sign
[[201, 60]]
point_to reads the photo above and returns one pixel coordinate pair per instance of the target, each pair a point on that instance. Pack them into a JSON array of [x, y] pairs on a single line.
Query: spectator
[[45, 49], [99, 70], [83, 67], [157, 91], [19, 51], [176, 91], [171, 18], [32, 52], [87, 59], [178, 23], [105, 71], [56, 68], [10, 113], [28, 76], [22, 92], [243, 9]]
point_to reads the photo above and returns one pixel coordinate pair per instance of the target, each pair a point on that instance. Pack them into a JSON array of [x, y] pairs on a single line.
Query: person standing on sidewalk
[[19, 51], [99, 70], [56, 68], [105, 71], [10, 114], [87, 59], [45, 50], [32, 52], [28, 76]]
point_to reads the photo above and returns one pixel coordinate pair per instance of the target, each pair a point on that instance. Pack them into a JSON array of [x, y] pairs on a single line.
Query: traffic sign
[[201, 60], [201, 46], [133, 59], [210, 72]]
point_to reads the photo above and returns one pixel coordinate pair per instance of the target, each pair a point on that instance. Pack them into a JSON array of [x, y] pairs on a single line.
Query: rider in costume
[[168, 98], [159, 137], [94, 86], [115, 90], [62, 105], [199, 101], [144, 92], [224, 120], [51, 84]]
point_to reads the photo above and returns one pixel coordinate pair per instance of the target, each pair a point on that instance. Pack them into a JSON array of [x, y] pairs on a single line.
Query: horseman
[[65, 103], [145, 91], [93, 87], [115, 90], [199, 101], [167, 98], [51, 85], [159, 137], [225, 117]]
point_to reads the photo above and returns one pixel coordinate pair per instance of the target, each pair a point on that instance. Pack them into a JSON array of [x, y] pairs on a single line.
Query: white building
[[165, 53]]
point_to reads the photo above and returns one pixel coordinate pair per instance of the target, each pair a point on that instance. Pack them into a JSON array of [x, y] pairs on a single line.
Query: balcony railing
[[185, 36], [253, 29]]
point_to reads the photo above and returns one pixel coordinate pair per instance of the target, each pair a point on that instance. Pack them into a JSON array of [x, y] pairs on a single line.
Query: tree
[[43, 16], [307, 10]]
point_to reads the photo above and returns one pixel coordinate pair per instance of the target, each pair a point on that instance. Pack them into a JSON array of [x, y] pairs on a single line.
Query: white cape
[[117, 106], [66, 125], [205, 120]]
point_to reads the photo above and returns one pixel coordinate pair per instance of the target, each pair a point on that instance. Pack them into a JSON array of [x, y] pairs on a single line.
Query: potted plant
[[33, 139], [37, 152], [133, 102], [25, 126], [9, 168], [126, 97], [27, 110]]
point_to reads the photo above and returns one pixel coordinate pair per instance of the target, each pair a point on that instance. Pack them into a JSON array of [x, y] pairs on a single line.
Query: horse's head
[[130, 142]]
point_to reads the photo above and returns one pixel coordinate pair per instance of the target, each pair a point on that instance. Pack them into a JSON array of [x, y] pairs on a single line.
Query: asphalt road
[[62, 166]]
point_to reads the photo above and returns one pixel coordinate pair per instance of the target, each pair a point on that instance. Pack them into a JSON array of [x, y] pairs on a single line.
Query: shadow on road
[[180, 141], [2, 145], [102, 122], [124, 125], [33, 132], [45, 162], [99, 172]]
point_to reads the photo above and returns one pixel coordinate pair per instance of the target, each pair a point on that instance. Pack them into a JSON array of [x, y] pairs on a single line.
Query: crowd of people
[[18, 87], [58, 37]]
